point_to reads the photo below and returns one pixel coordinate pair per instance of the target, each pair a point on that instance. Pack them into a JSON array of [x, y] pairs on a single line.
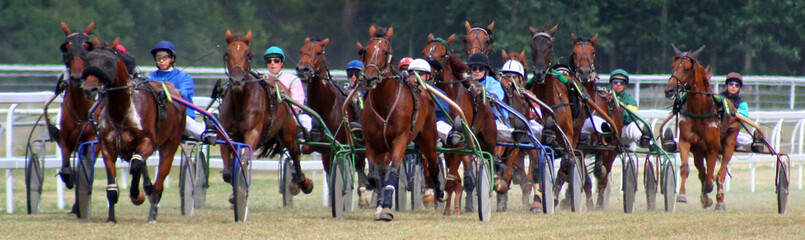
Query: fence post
[[9, 154], [792, 96], [751, 177], [799, 176], [59, 193], [325, 191]]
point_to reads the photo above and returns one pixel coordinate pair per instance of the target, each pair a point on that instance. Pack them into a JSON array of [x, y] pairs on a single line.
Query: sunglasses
[[478, 68], [618, 82], [273, 60], [160, 58], [510, 75], [734, 84]]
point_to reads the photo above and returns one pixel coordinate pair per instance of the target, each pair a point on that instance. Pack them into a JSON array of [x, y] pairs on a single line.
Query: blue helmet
[[355, 64], [274, 50], [164, 45]]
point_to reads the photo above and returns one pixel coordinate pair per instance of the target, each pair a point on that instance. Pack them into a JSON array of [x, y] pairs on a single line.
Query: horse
[[478, 39], [702, 131], [252, 114], [448, 77], [327, 99], [583, 65], [74, 122], [395, 114], [131, 125]]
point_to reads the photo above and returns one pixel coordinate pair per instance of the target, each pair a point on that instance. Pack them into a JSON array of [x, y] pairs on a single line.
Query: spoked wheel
[[629, 185], [286, 175], [484, 191], [240, 185], [200, 183], [669, 187], [418, 180], [349, 194], [186, 179], [546, 182], [782, 188], [576, 195], [337, 190], [650, 182], [83, 181], [401, 194], [34, 175]]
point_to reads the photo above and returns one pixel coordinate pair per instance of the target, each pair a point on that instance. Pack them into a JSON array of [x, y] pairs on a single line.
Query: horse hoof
[[226, 174], [111, 222], [308, 186], [428, 198], [231, 199], [536, 207], [386, 215], [363, 200], [378, 210], [66, 175], [721, 207], [139, 200], [294, 188], [152, 221], [682, 199], [706, 202]]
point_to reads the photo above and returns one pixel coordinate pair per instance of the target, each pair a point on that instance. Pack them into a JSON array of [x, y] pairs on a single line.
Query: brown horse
[[324, 97], [395, 115], [583, 64], [75, 105], [478, 39], [702, 131], [253, 115], [479, 117], [131, 126]]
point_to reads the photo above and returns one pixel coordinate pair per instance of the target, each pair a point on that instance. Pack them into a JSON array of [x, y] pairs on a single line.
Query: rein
[[388, 115]]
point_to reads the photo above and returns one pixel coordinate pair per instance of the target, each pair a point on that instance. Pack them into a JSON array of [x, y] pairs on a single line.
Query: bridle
[[477, 39], [246, 70], [534, 61], [684, 86], [77, 40], [384, 71], [432, 60], [585, 56], [316, 67]]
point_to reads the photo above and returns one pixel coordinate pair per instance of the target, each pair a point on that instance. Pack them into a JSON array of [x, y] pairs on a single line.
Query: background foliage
[[750, 36]]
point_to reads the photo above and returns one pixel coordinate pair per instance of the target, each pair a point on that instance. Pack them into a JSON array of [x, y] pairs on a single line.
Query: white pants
[[505, 132], [631, 133], [743, 140], [443, 128], [193, 128], [588, 127], [306, 121]]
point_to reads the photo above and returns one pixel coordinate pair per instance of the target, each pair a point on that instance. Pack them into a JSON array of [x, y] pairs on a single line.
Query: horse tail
[[269, 148]]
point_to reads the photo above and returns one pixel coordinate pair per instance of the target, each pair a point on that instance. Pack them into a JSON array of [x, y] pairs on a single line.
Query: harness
[[584, 57], [534, 63], [373, 63], [478, 30]]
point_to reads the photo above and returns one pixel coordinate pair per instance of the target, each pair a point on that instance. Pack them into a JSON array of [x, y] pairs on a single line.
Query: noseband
[[226, 57]]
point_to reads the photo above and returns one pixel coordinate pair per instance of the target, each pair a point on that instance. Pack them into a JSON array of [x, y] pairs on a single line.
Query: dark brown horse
[[479, 116], [702, 131], [324, 97], [478, 39], [394, 116], [252, 114], [131, 125], [583, 64], [75, 106]]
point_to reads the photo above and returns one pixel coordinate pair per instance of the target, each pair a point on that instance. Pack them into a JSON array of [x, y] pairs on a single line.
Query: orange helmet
[[405, 62]]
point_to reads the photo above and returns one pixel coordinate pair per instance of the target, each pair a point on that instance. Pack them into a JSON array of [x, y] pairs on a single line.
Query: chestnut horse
[[478, 39], [448, 77], [324, 97], [252, 114], [395, 115], [583, 64], [702, 131], [131, 126]]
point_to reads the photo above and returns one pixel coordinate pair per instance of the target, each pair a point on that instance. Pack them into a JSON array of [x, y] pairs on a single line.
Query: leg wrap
[[388, 191], [112, 193]]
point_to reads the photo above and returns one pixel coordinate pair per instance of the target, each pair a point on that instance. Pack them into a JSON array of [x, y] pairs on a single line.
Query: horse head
[[478, 39], [377, 55], [541, 51], [437, 53], [312, 59], [75, 48], [583, 58], [683, 70], [238, 57], [101, 70]]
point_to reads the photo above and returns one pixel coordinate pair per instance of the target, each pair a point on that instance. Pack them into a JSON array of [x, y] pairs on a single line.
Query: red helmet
[[121, 48], [405, 62]]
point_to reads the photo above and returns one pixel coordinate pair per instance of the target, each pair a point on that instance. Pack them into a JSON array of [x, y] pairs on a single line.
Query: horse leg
[[289, 140], [527, 185], [588, 188], [112, 191], [66, 172], [226, 156], [137, 165], [684, 170], [729, 150], [165, 160], [699, 161], [453, 185], [427, 146], [502, 186]]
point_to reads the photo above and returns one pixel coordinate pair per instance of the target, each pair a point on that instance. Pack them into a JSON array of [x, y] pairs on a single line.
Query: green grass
[[748, 215]]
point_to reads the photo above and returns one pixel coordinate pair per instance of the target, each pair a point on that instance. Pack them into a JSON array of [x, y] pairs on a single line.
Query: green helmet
[[274, 50], [619, 74]]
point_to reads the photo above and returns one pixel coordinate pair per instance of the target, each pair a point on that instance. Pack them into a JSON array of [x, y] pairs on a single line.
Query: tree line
[[748, 36]]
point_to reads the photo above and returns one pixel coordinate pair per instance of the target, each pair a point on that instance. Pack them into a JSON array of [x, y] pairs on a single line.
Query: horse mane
[[315, 40], [458, 66], [705, 71], [380, 32], [128, 60]]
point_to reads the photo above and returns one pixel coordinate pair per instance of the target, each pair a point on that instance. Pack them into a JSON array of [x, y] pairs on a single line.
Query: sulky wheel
[[669, 187], [484, 191], [34, 175]]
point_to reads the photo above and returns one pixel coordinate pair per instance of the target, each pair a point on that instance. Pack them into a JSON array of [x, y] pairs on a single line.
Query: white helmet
[[419, 65], [514, 67]]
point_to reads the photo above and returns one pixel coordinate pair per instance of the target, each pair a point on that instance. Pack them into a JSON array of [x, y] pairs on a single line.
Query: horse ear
[[390, 33], [676, 50], [372, 30], [89, 28], [451, 38], [248, 37], [594, 39], [573, 36], [430, 36], [65, 29], [553, 29], [228, 35], [504, 55], [360, 48], [325, 42], [116, 42], [96, 42], [307, 39], [522, 55], [491, 26], [695, 54], [532, 30], [467, 25]]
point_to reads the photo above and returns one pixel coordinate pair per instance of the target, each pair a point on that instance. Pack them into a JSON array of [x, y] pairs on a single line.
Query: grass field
[[748, 215]]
